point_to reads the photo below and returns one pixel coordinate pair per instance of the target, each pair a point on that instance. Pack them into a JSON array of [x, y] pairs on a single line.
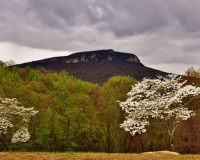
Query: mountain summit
[[97, 66], [101, 55]]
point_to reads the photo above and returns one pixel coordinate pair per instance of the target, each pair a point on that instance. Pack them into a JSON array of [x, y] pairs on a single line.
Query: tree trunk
[[142, 145], [67, 135], [116, 140], [129, 145], [52, 121], [33, 136], [171, 134], [125, 150], [171, 143], [108, 139], [3, 145]]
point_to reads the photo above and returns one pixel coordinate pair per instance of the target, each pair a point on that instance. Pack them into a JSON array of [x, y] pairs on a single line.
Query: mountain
[[97, 66]]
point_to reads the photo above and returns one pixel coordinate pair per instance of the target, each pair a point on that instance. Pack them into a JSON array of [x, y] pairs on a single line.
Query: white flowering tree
[[164, 98], [15, 118]]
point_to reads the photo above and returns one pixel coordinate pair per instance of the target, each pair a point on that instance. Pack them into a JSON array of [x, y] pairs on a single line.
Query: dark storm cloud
[[147, 28]]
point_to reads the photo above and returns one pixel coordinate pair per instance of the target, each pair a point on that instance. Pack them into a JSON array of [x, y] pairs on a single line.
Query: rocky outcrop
[[100, 55]]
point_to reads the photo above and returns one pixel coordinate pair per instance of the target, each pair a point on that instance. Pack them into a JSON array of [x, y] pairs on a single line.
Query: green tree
[[110, 114], [192, 72]]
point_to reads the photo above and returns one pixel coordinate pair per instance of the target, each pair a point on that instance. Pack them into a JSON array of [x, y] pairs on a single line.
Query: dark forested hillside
[[97, 66]]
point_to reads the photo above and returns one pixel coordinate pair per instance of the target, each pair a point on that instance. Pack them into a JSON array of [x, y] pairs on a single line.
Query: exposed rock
[[100, 55]]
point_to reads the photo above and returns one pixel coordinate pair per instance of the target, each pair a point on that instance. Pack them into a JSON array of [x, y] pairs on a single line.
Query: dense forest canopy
[[76, 115]]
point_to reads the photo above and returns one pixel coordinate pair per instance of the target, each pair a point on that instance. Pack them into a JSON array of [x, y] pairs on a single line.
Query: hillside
[[97, 66]]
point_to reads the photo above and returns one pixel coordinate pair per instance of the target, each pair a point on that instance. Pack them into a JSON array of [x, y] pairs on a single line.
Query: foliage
[[161, 98], [76, 115], [110, 114], [16, 117], [192, 72], [2, 64]]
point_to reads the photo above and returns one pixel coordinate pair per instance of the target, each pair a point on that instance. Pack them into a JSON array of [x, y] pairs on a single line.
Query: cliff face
[[97, 66], [91, 56], [101, 55]]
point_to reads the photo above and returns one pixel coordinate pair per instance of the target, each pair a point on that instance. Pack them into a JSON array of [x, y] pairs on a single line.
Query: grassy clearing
[[94, 156]]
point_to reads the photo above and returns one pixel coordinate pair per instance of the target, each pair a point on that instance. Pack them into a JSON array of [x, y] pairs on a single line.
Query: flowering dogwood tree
[[163, 98], [14, 117]]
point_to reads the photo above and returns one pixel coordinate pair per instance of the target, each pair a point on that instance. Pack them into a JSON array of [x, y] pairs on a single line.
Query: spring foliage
[[163, 98], [79, 116], [15, 117]]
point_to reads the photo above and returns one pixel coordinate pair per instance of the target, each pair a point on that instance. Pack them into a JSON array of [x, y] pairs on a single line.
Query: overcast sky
[[164, 34]]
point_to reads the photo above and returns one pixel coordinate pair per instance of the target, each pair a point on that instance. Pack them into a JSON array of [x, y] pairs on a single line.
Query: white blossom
[[17, 117], [22, 135], [161, 98]]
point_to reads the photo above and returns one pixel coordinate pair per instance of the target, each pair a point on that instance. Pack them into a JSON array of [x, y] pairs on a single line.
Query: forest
[[79, 116]]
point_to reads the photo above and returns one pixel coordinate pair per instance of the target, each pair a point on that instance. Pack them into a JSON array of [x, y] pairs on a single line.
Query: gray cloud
[[164, 31]]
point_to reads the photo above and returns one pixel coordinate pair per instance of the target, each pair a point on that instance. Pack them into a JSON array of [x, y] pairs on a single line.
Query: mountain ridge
[[97, 66], [91, 56]]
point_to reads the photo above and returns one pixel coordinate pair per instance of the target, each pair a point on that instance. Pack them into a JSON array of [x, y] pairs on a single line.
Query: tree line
[[79, 116]]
